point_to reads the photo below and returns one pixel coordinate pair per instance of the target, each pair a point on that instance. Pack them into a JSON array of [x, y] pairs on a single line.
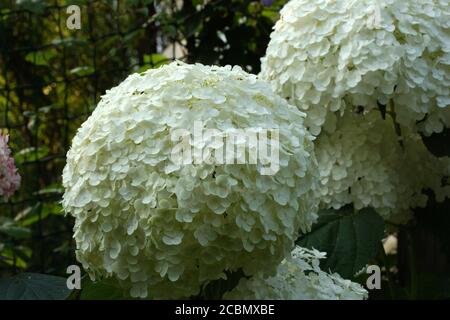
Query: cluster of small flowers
[[9, 177], [298, 277], [328, 56], [363, 162], [164, 229], [343, 61]]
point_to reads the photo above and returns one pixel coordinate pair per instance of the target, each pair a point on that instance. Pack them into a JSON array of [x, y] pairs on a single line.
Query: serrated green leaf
[[350, 239]]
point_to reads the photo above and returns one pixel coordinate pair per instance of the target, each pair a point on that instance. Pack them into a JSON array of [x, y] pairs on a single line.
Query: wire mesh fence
[[53, 73], [51, 79]]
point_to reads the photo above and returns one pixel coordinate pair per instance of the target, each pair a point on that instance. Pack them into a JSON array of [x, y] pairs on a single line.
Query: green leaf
[[67, 42], [54, 189], [82, 71], [31, 154], [10, 257], [350, 239], [35, 6], [15, 232], [152, 61], [39, 211], [41, 58], [33, 286], [106, 289]]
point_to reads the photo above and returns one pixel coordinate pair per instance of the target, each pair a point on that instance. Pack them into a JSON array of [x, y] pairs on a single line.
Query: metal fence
[[51, 78]]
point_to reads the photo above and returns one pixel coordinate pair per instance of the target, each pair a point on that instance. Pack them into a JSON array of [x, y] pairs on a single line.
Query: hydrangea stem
[[398, 129]]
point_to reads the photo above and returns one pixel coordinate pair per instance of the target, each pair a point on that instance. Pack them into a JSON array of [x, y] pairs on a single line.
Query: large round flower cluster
[[164, 228], [366, 163], [327, 56], [299, 277], [9, 177]]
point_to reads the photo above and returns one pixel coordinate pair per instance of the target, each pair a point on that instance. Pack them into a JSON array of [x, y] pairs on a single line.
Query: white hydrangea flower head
[[165, 229], [328, 56], [299, 277], [363, 163]]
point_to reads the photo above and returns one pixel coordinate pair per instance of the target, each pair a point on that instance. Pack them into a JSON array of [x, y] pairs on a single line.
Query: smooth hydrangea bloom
[[164, 229], [363, 162], [299, 277], [9, 177], [328, 56]]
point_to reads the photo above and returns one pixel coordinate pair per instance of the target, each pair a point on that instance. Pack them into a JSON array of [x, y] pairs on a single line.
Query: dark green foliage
[[106, 289], [233, 32], [350, 239], [438, 143], [33, 286], [215, 290]]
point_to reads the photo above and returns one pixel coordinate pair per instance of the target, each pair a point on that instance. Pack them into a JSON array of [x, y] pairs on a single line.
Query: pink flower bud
[[9, 177]]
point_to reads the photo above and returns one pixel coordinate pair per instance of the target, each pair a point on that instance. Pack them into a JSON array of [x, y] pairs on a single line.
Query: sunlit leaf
[[31, 154], [41, 58]]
